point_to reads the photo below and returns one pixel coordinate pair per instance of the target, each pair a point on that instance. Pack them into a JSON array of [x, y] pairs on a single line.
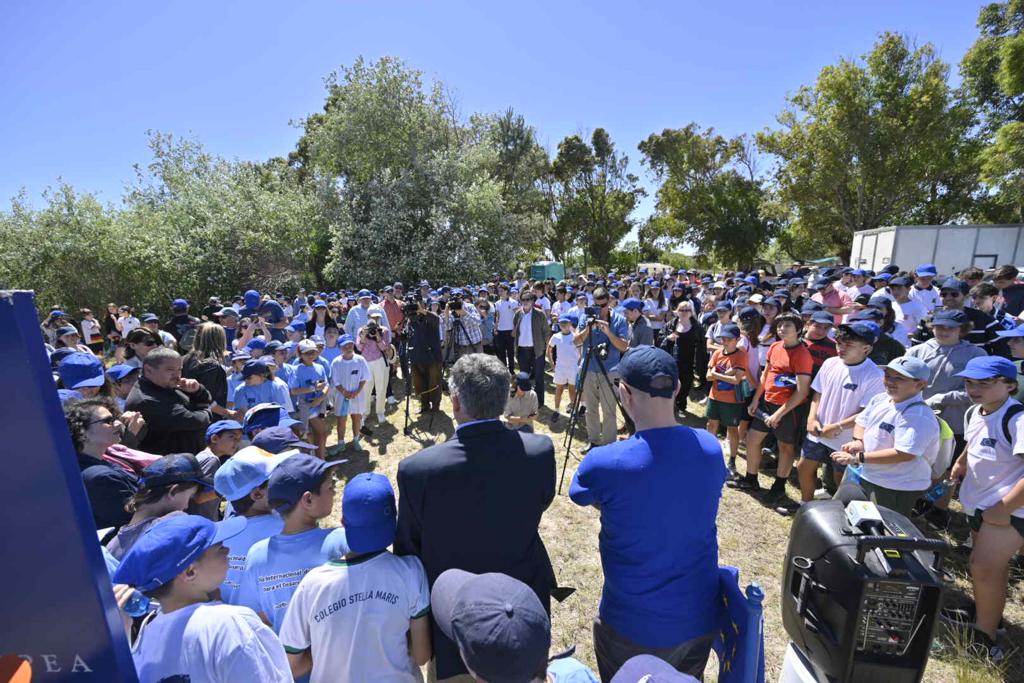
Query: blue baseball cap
[[651, 370], [822, 318], [949, 318], [222, 426], [858, 272], [80, 370], [729, 331], [264, 415], [346, 339], [293, 477], [256, 343], [498, 623], [58, 356], [179, 304], [245, 470], [565, 319], [364, 294], [170, 546], [369, 513], [175, 468], [319, 304], [865, 330], [633, 304], [66, 395], [297, 326], [987, 367], [56, 314], [1015, 332], [926, 270], [227, 312], [148, 318], [118, 372], [254, 366], [954, 283], [279, 439], [882, 276], [650, 669], [910, 367]]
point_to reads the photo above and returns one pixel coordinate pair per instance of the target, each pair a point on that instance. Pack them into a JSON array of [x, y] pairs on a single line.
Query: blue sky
[[83, 80]]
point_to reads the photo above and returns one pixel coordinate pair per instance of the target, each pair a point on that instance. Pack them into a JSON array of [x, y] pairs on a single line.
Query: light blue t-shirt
[[250, 395], [328, 354], [620, 327], [234, 381], [274, 568], [305, 376], [284, 373], [569, 670], [256, 529]]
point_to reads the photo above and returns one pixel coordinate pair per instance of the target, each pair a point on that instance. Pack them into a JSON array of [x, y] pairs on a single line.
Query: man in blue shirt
[[611, 330], [658, 494]]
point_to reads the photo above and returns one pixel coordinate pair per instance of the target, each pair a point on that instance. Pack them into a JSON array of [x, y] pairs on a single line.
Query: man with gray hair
[[475, 502], [176, 409]]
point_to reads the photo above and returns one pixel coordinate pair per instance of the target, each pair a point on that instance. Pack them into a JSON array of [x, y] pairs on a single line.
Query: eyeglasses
[[109, 420]]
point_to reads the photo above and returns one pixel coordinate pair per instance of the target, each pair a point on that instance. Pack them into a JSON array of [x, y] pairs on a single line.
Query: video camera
[[861, 593], [373, 330], [455, 302]]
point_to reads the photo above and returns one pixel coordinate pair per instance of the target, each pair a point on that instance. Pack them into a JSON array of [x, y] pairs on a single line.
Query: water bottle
[[853, 473], [939, 490], [137, 605], [344, 406]]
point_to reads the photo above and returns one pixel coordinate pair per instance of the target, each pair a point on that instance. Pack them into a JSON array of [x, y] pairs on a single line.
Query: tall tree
[[993, 83], [869, 143], [709, 195]]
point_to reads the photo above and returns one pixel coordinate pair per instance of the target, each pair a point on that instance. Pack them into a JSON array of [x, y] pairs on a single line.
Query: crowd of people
[[202, 442]]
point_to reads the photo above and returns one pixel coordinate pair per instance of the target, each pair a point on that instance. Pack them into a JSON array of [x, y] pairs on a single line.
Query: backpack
[[1013, 410]]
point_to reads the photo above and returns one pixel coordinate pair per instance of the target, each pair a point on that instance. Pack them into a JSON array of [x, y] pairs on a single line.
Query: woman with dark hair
[[95, 426], [751, 324], [655, 309], [111, 335], [205, 363], [137, 345], [685, 341], [321, 319]]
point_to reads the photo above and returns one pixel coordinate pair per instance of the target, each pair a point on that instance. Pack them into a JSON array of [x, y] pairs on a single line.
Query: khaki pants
[[380, 374], [602, 426]]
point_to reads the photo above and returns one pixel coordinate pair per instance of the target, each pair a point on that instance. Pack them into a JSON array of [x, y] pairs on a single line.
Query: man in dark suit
[[475, 501], [531, 340]]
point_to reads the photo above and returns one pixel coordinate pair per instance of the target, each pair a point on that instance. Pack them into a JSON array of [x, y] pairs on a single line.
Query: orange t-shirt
[[723, 363], [783, 367]]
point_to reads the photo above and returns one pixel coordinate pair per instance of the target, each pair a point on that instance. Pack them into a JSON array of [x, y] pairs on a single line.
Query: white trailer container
[[950, 247]]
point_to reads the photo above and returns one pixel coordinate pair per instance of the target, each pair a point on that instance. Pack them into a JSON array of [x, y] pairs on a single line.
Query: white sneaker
[[392, 401], [703, 401], [380, 418]]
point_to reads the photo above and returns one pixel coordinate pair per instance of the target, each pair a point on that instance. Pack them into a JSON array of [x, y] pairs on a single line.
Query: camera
[[372, 329], [455, 303], [592, 311], [410, 308]]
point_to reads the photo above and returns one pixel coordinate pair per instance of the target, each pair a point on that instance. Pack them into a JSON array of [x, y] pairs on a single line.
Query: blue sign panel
[[57, 609]]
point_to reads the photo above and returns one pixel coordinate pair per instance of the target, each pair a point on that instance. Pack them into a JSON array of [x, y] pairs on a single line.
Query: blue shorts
[[816, 451]]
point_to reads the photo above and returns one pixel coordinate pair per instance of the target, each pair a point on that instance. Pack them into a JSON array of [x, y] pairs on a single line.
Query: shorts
[[564, 376], [304, 411], [974, 521], [744, 415], [355, 406], [816, 451], [727, 414], [790, 428]]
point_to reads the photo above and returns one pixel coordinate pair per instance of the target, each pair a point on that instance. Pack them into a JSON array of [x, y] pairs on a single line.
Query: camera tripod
[[593, 352]]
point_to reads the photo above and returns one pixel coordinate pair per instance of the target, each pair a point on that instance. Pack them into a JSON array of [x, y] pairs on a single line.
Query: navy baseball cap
[[633, 304], [272, 346], [221, 426], [811, 306], [175, 468], [118, 372], [954, 283], [263, 415], [650, 669], [902, 281], [651, 370], [865, 330], [870, 314], [254, 366], [949, 318], [65, 330], [369, 513], [364, 294], [1015, 332], [823, 318], [80, 370], [988, 367], [240, 355], [730, 331], [170, 546], [748, 313], [148, 318], [524, 381], [59, 355], [723, 307], [227, 312], [278, 439], [295, 476], [497, 622]]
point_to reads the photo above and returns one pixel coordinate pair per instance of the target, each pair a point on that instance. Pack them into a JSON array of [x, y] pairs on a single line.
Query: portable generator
[[861, 592]]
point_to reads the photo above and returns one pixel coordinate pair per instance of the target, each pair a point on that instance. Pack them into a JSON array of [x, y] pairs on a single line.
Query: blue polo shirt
[[620, 327], [658, 494]]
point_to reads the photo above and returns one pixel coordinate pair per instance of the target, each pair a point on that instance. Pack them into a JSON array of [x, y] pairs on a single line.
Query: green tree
[[709, 195], [869, 143]]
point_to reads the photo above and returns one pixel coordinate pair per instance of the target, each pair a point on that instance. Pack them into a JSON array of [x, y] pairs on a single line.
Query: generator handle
[[904, 544]]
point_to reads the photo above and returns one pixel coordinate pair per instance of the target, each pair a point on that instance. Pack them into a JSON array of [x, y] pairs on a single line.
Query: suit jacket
[[475, 503], [541, 329]]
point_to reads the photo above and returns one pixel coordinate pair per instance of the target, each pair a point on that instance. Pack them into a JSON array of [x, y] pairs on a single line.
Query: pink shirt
[[375, 350], [834, 299]]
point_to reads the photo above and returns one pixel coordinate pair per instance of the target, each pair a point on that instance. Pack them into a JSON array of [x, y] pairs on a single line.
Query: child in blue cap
[[991, 470], [180, 563], [301, 490], [363, 615]]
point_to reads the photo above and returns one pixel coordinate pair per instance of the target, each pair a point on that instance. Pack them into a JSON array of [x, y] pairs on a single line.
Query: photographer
[[531, 339], [422, 332], [372, 342], [602, 328], [462, 328], [359, 315]]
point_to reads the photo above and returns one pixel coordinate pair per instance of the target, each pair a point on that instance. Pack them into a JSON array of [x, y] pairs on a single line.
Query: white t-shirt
[[994, 465], [929, 297], [126, 325], [560, 308], [347, 374], [651, 307], [567, 355], [209, 642], [909, 426], [354, 616], [845, 390], [909, 314], [526, 330], [545, 305], [503, 312]]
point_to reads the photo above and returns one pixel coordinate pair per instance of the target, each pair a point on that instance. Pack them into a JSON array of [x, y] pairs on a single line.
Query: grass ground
[[751, 537]]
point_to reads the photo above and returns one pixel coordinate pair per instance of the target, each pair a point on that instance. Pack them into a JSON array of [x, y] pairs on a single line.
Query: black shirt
[[108, 488]]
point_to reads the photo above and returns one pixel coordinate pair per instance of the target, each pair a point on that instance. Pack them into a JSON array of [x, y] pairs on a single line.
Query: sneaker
[[336, 449], [822, 494], [703, 401], [380, 418], [744, 484], [984, 647], [937, 519], [356, 445], [392, 401], [788, 508], [963, 617], [590, 447], [733, 472]]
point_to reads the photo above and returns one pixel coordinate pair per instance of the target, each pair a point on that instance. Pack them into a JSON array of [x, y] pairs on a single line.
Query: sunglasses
[[950, 294], [110, 420]]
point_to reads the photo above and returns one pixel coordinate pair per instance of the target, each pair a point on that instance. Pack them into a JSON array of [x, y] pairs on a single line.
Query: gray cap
[[910, 367]]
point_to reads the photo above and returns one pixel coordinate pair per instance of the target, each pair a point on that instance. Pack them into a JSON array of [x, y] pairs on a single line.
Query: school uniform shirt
[[560, 308], [306, 376], [929, 297], [503, 314], [545, 305], [784, 365], [235, 380], [909, 426], [354, 616], [328, 354], [209, 643], [844, 391], [651, 306], [567, 354], [274, 568], [347, 374], [269, 391], [821, 350], [256, 529], [724, 363], [994, 465], [909, 314], [127, 324]]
